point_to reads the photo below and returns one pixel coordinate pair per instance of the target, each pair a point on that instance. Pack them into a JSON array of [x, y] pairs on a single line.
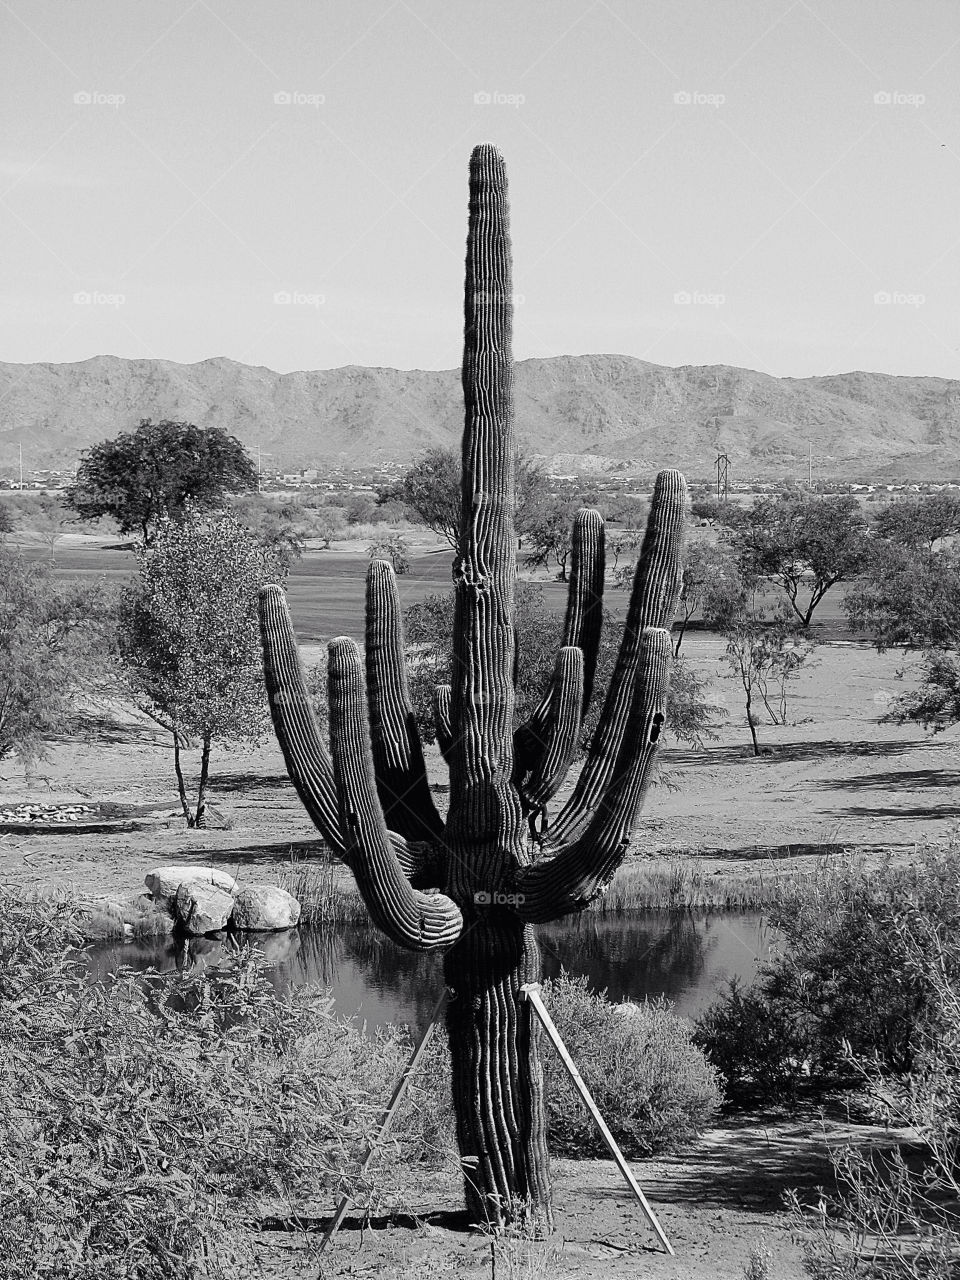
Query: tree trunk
[[204, 775], [753, 727], [184, 804], [496, 1074]]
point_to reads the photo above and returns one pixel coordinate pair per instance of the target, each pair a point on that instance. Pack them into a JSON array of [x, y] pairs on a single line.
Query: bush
[[147, 1123], [654, 1088], [843, 980], [895, 1210]]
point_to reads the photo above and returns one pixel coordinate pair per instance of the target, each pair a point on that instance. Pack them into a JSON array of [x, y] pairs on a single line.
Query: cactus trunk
[[497, 1080]]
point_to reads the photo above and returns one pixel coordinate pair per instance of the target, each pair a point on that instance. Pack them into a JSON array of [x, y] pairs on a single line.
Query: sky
[[767, 183]]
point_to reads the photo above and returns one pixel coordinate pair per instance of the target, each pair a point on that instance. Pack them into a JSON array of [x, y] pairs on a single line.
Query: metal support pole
[[531, 991], [388, 1116]]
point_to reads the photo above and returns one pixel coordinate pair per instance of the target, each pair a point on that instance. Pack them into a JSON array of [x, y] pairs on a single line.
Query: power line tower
[[723, 477]]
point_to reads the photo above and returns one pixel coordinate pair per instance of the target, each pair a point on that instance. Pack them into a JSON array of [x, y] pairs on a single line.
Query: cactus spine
[[370, 799]]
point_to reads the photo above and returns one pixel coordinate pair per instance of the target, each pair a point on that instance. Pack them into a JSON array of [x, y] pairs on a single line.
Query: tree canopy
[[430, 490], [802, 543], [56, 646], [141, 477], [190, 636]]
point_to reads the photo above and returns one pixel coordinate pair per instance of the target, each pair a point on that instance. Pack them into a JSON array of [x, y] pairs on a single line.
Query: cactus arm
[[442, 698], [552, 754], [484, 808], [308, 764], [398, 762], [582, 627], [415, 920], [584, 618], [581, 872], [655, 587]]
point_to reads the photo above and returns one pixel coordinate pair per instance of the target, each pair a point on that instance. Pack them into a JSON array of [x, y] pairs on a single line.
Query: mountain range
[[590, 412]]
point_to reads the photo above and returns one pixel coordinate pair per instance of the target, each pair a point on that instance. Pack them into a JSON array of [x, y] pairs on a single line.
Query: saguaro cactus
[[475, 884]]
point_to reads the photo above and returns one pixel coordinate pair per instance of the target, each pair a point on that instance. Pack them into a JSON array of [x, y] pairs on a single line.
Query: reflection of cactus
[[498, 871]]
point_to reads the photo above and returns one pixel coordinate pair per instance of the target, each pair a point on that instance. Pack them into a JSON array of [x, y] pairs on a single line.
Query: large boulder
[[164, 882], [264, 907], [202, 908]]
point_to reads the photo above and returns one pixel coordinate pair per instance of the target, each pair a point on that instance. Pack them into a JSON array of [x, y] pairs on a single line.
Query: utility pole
[[20, 450], [258, 469], [810, 467], [723, 477]]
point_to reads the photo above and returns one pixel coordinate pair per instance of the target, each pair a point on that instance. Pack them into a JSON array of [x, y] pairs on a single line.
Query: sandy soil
[[716, 1203]]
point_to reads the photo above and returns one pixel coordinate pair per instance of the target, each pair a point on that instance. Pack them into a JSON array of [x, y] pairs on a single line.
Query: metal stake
[[532, 992], [399, 1090]]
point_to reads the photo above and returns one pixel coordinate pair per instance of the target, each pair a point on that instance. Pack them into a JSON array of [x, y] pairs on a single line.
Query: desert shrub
[[654, 1088], [894, 1210], [841, 981], [147, 1123]]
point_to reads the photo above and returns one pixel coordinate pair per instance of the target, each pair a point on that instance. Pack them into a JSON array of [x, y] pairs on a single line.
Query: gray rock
[[203, 908], [264, 906], [164, 882]]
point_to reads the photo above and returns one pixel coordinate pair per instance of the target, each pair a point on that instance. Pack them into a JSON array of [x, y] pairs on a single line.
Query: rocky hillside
[[602, 409]]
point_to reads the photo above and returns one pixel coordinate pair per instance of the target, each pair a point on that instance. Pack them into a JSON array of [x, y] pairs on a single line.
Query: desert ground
[[834, 780]]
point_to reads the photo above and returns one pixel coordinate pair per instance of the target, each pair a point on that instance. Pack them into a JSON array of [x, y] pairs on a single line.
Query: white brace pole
[[531, 990], [399, 1090]]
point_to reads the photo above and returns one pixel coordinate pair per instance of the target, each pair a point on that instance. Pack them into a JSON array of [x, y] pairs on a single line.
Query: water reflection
[[680, 955]]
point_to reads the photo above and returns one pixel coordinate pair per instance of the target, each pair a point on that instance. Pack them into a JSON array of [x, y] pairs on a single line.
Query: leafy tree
[[920, 522], [709, 509], [765, 654], [47, 516], [393, 549], [140, 477], [802, 544], [711, 586], [56, 645], [547, 532], [430, 490], [909, 598], [190, 638]]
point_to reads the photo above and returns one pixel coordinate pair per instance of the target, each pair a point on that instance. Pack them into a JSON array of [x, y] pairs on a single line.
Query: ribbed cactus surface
[[475, 883]]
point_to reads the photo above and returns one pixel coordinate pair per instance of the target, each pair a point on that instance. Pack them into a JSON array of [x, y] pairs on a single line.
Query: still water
[[684, 956]]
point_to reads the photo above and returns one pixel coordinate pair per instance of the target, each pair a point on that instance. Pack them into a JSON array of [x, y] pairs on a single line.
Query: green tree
[[803, 544], [395, 550], [140, 477], [56, 645], [548, 522], [190, 640], [430, 490], [765, 653], [909, 598], [920, 522], [711, 587]]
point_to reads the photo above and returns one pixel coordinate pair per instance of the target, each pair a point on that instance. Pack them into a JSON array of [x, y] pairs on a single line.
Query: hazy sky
[[765, 183]]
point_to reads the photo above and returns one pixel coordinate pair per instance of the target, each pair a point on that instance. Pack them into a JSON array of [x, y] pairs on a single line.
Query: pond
[[685, 956]]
